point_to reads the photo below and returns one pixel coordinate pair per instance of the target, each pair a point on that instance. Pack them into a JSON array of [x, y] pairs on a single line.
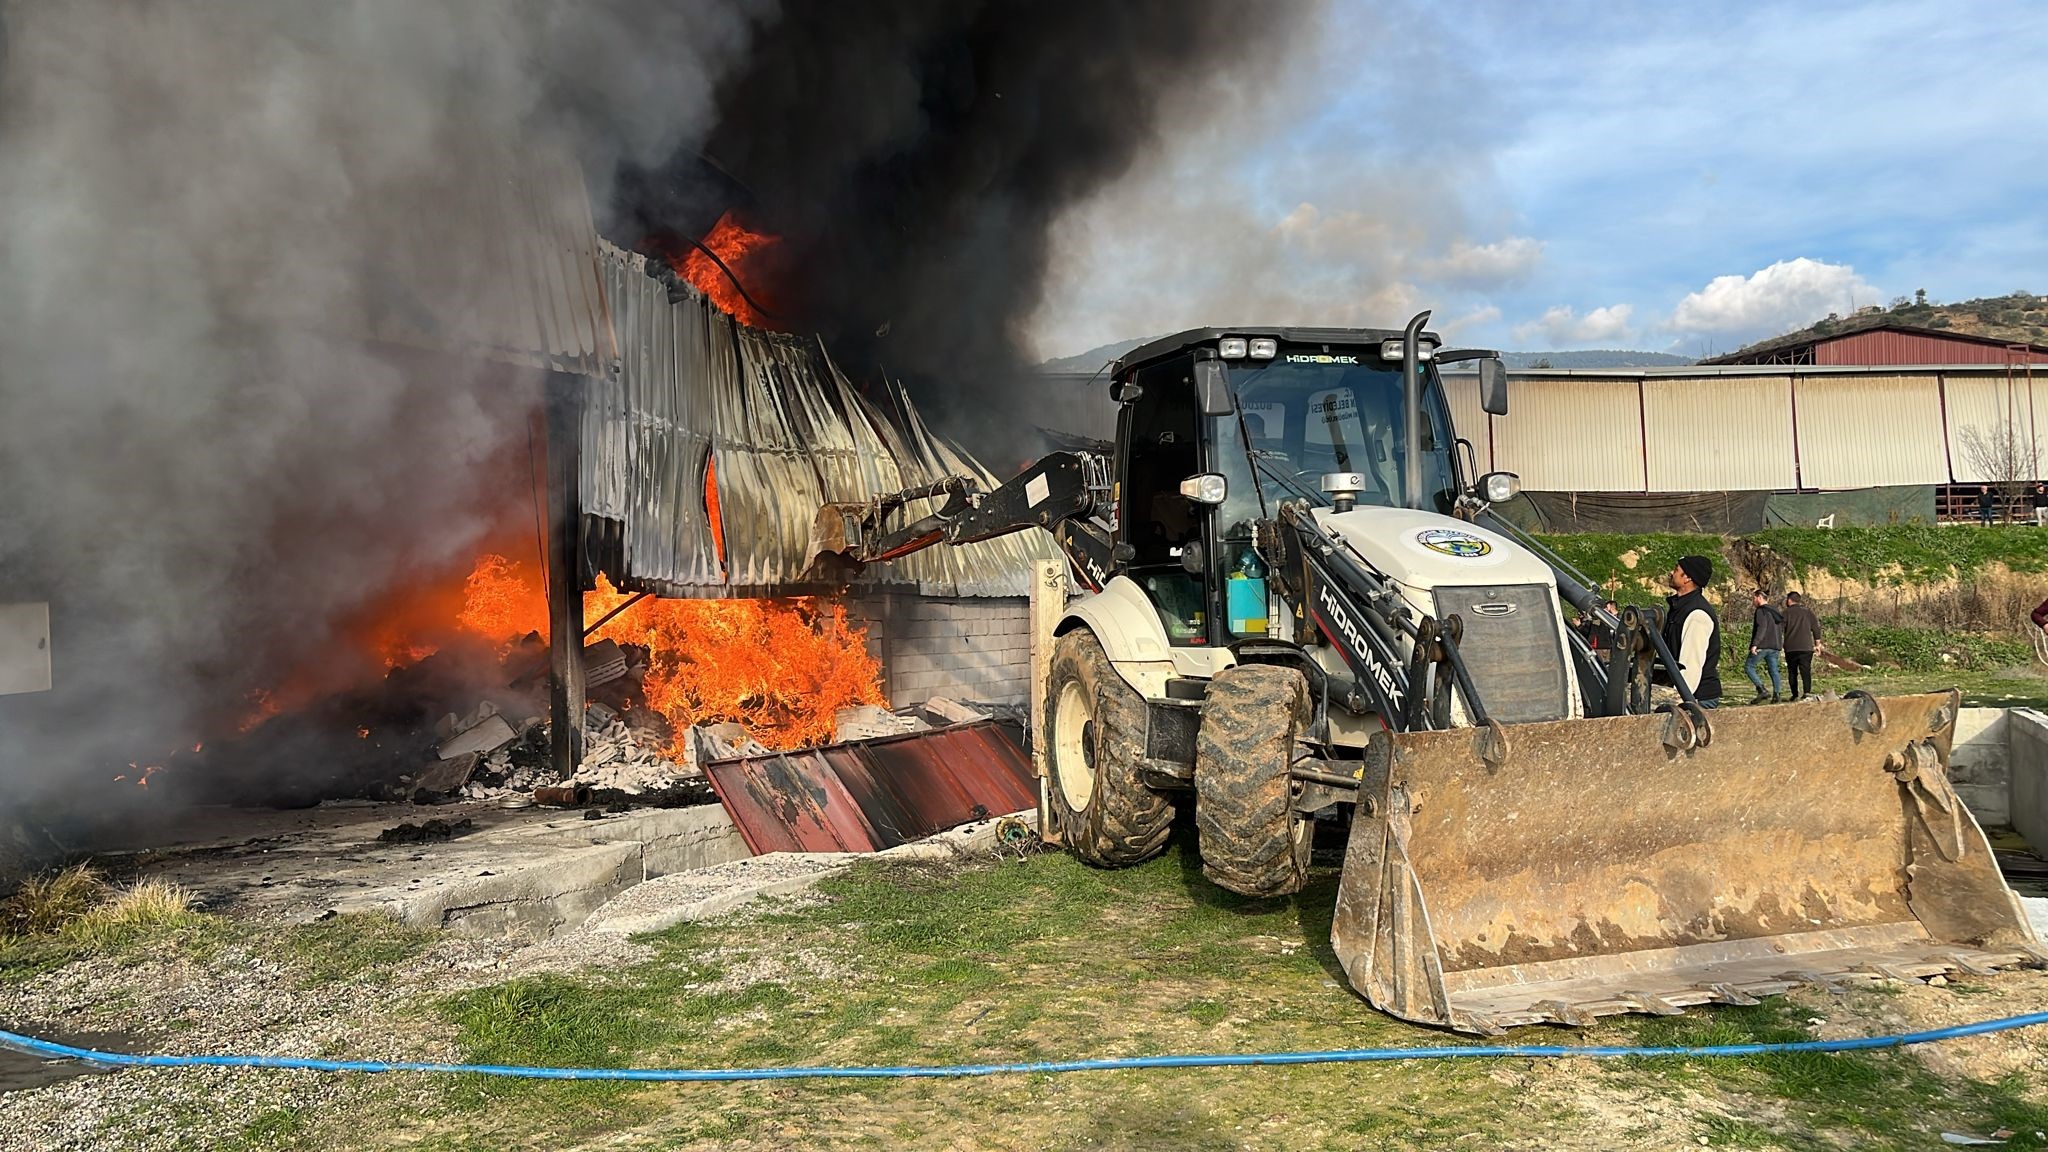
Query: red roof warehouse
[[1883, 344]]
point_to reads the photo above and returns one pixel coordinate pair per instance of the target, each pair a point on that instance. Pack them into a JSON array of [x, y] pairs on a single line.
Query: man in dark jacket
[[1802, 636], [1766, 642], [1693, 630], [1987, 506]]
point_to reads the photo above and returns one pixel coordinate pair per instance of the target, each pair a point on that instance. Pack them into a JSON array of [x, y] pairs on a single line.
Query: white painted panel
[[1719, 433], [1461, 393], [24, 648], [1986, 405], [1862, 431], [1572, 434]]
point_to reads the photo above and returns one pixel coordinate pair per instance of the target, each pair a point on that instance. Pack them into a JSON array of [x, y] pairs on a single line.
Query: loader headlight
[[1499, 487], [1231, 347], [1391, 350], [1208, 488], [1265, 348]]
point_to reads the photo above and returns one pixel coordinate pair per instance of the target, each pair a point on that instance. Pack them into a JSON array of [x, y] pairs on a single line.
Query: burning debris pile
[[460, 710]]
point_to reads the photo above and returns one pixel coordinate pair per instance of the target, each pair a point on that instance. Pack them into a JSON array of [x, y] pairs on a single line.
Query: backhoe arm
[[1057, 493]]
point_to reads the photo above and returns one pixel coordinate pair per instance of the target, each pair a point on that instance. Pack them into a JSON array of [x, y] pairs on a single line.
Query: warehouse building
[[1886, 343]]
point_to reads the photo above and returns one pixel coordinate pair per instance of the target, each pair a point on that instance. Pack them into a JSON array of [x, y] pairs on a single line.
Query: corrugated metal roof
[[874, 794], [1734, 435], [1866, 431], [496, 257], [784, 431]]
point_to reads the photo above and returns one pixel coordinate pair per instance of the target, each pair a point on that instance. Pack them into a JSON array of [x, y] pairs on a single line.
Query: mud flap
[[1605, 867]]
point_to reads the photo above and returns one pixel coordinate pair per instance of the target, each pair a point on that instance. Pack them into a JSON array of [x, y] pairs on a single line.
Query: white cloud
[[1562, 326], [1784, 296]]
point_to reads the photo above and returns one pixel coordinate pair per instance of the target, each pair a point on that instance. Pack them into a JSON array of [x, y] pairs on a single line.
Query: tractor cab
[[1218, 427]]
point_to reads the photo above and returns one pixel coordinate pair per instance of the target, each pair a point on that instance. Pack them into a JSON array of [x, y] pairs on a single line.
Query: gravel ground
[[242, 1002]]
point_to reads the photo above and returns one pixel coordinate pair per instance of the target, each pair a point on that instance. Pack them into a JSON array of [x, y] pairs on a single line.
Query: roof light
[[1391, 350], [1265, 348], [1231, 347]]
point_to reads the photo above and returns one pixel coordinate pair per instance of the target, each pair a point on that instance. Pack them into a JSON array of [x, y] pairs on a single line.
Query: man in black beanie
[[1693, 630]]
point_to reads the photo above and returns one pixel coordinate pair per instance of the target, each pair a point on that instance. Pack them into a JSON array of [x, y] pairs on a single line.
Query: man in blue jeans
[[1766, 644]]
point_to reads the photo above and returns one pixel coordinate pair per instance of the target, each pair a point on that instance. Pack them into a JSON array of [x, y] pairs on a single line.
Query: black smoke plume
[[914, 156]]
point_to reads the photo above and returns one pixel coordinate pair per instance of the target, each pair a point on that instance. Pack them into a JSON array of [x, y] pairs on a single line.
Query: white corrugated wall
[[1461, 393], [1718, 434], [1860, 431], [1985, 406], [1572, 434]]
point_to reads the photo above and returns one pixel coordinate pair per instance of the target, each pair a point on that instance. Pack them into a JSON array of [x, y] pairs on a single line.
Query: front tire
[[1252, 841], [1095, 742]]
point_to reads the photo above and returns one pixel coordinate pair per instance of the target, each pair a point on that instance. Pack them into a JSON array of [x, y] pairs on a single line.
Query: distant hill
[[1095, 358], [2021, 317]]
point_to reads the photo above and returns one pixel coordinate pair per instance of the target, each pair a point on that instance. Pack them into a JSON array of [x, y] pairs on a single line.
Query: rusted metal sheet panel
[[1864, 431], [1573, 434], [1880, 347], [1718, 434], [1986, 407], [873, 794]]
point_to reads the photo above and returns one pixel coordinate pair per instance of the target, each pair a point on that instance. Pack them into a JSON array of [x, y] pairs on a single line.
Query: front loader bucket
[[1604, 866]]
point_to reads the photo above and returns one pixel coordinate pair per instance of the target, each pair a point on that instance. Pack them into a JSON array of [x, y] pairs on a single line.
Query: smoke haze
[[204, 205]]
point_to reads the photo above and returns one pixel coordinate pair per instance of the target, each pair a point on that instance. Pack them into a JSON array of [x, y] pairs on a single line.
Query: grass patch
[[79, 915], [349, 946], [45, 904], [1882, 1099], [1909, 553], [1033, 960]]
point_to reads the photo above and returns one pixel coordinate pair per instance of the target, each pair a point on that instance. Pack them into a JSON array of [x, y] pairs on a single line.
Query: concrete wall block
[[1989, 803], [2027, 794], [1982, 748]]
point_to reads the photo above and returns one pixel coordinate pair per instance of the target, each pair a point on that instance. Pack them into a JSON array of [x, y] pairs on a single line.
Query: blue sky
[[1669, 177]]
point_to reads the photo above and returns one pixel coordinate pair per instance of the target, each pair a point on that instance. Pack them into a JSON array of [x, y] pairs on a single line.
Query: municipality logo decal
[[1452, 542]]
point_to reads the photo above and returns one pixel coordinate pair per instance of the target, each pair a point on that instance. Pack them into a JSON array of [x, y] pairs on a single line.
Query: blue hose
[[37, 1047]]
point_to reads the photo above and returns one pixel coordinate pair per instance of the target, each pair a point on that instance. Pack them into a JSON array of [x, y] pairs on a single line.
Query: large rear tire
[[1095, 744], [1253, 842]]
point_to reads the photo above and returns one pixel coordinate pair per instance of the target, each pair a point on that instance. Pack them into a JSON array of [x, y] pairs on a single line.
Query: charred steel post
[[565, 570]]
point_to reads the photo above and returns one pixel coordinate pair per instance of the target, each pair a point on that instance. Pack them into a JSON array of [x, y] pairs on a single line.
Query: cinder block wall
[[1980, 766], [967, 648]]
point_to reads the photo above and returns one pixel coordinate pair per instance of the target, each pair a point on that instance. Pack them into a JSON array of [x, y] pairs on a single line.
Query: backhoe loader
[[1300, 607]]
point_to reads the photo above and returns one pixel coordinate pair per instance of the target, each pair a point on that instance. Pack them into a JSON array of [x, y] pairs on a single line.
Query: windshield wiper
[[1291, 483]]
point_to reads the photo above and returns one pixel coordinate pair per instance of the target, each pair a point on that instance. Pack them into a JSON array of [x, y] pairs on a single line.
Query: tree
[[2008, 458], [1920, 296]]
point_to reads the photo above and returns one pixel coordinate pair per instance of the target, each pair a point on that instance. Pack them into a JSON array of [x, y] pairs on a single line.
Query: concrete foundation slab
[[526, 873]]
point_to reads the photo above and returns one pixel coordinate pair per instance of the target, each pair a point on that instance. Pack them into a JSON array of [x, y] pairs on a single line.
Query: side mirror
[[1124, 391], [1212, 388], [1493, 386], [1193, 560]]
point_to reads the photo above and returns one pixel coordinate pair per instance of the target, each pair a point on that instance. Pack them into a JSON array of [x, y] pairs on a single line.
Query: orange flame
[[780, 668], [737, 246]]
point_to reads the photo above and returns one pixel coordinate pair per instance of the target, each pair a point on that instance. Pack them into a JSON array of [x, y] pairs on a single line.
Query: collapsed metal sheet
[[873, 794], [781, 431]]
